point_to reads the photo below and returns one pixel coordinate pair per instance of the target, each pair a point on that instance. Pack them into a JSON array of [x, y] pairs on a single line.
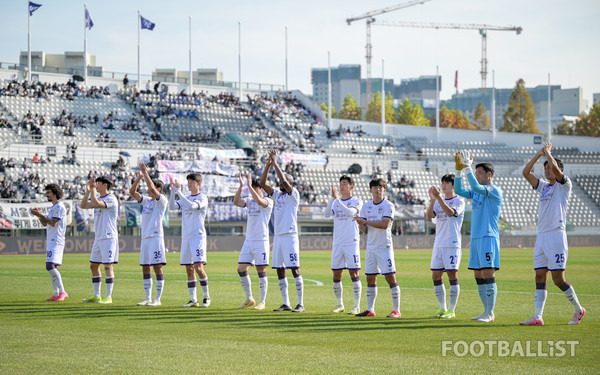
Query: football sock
[[160, 285], [263, 285], [491, 291], [541, 293], [192, 290], [454, 293], [245, 281], [148, 285], [283, 288], [371, 296], [96, 283], [440, 293], [57, 281], [110, 283], [300, 289], [204, 285], [357, 289], [395, 291], [338, 290], [481, 290], [571, 296]]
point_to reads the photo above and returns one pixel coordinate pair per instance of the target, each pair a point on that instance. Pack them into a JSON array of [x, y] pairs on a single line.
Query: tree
[[350, 109], [589, 125], [374, 109], [520, 116], [325, 110], [453, 118], [480, 118], [564, 128], [411, 114]]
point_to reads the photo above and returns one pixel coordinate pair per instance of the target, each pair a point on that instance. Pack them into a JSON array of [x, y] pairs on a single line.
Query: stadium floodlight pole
[[240, 60], [382, 100], [286, 61], [85, 61], [493, 105], [437, 103], [329, 124], [139, 26], [28, 43], [549, 111], [190, 59]]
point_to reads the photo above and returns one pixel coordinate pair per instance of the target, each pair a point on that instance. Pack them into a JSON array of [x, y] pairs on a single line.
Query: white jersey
[[56, 235], [345, 229], [554, 200], [257, 224], [285, 211], [105, 219], [447, 229], [152, 215], [378, 239], [192, 221]]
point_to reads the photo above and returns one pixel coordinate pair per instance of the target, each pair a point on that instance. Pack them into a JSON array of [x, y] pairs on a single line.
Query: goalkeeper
[[484, 252]]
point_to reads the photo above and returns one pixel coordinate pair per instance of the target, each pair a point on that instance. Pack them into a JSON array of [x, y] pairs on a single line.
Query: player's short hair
[[158, 184], [347, 178], [256, 183], [194, 177], [289, 178], [448, 178], [559, 162], [377, 182], [55, 189], [487, 167], [105, 180]]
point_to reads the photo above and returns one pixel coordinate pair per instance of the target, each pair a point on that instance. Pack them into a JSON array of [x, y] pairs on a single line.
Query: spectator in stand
[[125, 82]]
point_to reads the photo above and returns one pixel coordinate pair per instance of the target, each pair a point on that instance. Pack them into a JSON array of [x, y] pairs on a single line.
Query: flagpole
[[28, 43], [240, 60], [190, 89], [437, 102], [329, 125], [493, 106], [85, 62], [286, 60], [382, 100], [139, 25], [549, 111]]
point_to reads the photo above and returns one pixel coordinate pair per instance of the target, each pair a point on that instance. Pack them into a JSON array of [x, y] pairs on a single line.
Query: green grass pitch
[[73, 337]]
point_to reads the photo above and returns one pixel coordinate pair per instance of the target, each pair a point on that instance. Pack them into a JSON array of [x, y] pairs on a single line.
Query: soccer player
[[378, 214], [255, 250], [152, 249], [345, 253], [484, 252], [193, 235], [286, 250], [449, 211], [105, 249], [551, 249], [56, 226]]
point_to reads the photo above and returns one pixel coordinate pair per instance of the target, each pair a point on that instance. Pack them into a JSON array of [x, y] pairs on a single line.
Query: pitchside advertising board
[[37, 245]]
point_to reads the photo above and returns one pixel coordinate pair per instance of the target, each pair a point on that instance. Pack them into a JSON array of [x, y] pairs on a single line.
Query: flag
[[146, 24], [89, 22], [33, 7], [456, 81]]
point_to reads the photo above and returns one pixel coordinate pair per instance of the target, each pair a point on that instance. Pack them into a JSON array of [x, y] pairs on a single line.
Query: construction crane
[[369, 16], [483, 29]]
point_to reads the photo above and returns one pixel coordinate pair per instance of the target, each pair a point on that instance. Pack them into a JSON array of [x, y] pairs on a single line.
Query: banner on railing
[[211, 153], [199, 166], [306, 159], [227, 212], [17, 215], [212, 186]]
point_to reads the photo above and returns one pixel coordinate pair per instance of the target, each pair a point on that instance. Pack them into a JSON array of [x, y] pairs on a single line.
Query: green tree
[[453, 118], [374, 109], [411, 114], [350, 109], [564, 128], [480, 118], [589, 125], [520, 116], [325, 111]]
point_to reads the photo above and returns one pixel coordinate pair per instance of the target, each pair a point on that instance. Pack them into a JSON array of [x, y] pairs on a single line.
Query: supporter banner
[[227, 212], [210, 153], [17, 215], [306, 159], [212, 186], [200, 166], [133, 214]]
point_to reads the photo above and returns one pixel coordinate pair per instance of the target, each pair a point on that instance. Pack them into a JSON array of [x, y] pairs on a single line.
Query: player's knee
[[50, 266], [296, 272]]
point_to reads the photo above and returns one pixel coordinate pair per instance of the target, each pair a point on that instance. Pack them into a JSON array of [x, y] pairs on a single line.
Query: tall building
[[345, 79], [419, 90], [375, 87]]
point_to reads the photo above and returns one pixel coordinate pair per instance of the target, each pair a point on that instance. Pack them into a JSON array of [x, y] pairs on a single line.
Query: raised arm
[[152, 190], [263, 179], [560, 176], [529, 176], [328, 210], [134, 186], [172, 204], [237, 199], [258, 199], [430, 214], [460, 166], [94, 202], [283, 182]]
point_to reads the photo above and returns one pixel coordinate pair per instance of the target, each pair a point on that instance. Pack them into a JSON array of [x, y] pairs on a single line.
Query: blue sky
[[560, 38]]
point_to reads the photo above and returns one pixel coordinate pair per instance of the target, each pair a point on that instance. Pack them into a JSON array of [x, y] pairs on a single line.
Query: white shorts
[[551, 251], [345, 257], [380, 262], [54, 253], [152, 251], [255, 253], [193, 250], [446, 258], [105, 251], [286, 251]]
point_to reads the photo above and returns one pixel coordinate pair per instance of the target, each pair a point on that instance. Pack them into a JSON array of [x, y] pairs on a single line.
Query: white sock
[[300, 289], [440, 294], [192, 290], [454, 293], [57, 284], [572, 297], [97, 283], [539, 302], [263, 285], [245, 281], [283, 288], [110, 283], [395, 291], [371, 297], [357, 290], [338, 290], [160, 285], [204, 285], [148, 287]]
